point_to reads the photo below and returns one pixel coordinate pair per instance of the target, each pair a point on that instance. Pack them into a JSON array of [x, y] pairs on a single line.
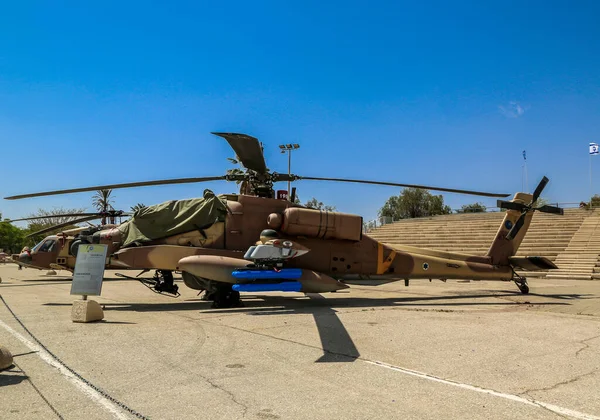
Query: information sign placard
[[89, 269]]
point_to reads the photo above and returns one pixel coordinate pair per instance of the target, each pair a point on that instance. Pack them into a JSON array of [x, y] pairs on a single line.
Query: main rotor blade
[[115, 186], [50, 217], [393, 184], [539, 189], [247, 149], [551, 209], [61, 225]]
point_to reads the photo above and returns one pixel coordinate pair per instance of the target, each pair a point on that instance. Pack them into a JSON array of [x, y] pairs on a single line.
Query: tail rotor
[[526, 208]]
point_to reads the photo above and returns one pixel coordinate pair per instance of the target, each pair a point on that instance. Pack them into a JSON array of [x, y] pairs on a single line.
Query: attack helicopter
[[59, 251], [253, 241]]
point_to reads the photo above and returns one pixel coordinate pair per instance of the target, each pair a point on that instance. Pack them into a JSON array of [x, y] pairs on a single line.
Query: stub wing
[[532, 263]]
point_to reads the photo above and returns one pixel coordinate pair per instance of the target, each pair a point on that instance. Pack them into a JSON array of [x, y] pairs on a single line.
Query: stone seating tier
[[568, 240]]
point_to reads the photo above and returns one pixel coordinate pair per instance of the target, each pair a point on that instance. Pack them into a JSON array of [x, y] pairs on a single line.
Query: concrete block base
[[86, 311], [6, 359]]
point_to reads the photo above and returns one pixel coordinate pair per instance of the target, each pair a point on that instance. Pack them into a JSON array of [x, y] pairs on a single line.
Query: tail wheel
[[522, 285]]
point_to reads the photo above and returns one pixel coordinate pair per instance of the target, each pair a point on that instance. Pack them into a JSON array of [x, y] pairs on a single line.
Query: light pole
[[289, 148]]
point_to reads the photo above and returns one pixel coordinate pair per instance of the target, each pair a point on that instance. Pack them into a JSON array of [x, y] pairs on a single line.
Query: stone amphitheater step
[[427, 242], [521, 250], [465, 235], [573, 276], [481, 222], [483, 229], [576, 263], [580, 257], [477, 223], [584, 255], [536, 274], [564, 231], [480, 232], [476, 237]]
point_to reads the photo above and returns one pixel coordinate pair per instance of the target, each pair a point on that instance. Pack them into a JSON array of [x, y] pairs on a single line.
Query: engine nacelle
[[321, 224]]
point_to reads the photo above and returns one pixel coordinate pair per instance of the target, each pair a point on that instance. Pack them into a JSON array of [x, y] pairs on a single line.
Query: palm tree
[[102, 202], [137, 207]]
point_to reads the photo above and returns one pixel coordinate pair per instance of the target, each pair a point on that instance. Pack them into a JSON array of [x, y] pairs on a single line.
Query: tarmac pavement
[[431, 350]]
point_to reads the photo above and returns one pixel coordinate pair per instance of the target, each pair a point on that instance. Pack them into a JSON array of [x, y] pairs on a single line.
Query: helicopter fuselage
[[336, 242]]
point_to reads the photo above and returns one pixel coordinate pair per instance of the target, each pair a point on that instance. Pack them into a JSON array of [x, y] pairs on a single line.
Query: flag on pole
[[524, 155], [594, 149]]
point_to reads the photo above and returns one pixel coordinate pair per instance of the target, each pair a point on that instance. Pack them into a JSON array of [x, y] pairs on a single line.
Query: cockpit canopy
[[46, 245]]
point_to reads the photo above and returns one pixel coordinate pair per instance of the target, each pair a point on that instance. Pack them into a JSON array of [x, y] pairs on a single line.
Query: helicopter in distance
[[59, 250], [252, 241]]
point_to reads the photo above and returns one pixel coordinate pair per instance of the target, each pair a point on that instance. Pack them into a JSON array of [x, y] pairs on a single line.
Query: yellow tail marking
[[383, 264]]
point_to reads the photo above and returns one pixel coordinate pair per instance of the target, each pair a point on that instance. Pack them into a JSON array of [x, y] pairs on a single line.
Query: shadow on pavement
[[336, 342], [11, 379]]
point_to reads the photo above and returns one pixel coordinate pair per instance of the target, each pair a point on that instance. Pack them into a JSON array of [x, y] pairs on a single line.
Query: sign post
[[594, 150], [87, 280], [282, 194]]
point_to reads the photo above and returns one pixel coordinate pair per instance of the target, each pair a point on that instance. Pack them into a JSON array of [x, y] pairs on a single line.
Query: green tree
[[52, 218], [313, 203], [101, 200], [103, 203], [392, 208], [595, 202], [369, 226], [473, 208], [137, 207], [414, 202], [12, 238]]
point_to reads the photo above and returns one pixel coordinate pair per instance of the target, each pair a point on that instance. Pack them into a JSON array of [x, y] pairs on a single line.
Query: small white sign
[[89, 269]]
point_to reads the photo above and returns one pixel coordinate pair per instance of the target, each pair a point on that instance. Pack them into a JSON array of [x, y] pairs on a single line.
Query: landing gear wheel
[[164, 282], [208, 296], [523, 288], [522, 285], [225, 297]]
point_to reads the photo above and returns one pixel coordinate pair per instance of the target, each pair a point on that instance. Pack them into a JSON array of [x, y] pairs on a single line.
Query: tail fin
[[502, 248]]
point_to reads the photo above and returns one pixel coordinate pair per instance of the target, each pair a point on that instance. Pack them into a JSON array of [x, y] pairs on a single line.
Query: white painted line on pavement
[[85, 388], [512, 397]]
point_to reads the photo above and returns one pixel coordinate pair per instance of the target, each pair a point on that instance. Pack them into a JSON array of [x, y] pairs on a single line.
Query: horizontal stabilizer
[[532, 263]]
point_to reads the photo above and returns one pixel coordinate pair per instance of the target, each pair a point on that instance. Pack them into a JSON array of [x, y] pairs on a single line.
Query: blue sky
[[438, 93]]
